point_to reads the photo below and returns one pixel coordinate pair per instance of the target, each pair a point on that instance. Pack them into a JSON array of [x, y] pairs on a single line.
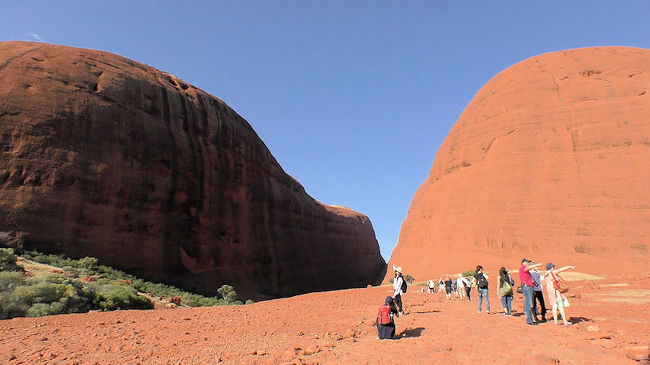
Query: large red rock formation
[[106, 157], [551, 161]]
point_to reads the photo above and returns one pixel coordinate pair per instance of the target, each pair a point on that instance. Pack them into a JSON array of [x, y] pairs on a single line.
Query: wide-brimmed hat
[[398, 269]]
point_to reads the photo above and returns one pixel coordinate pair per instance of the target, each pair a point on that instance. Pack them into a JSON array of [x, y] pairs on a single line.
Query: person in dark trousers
[[538, 296], [397, 286], [387, 330], [448, 287]]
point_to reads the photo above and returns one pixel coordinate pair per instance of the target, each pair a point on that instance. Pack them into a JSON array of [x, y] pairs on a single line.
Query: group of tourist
[[532, 283]]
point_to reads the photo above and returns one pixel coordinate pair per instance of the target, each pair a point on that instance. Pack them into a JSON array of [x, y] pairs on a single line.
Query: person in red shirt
[[527, 282]]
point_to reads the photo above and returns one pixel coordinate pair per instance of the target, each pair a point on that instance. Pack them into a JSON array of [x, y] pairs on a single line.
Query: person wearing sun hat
[[397, 287], [555, 297]]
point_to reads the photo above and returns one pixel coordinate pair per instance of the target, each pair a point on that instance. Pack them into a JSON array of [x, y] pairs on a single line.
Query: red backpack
[[384, 315]]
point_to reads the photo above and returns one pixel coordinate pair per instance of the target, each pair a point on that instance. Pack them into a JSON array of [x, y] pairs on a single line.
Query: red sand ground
[[336, 327]]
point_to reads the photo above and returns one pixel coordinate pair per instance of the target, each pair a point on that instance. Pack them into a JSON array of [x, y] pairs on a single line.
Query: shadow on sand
[[432, 311], [575, 320], [412, 332]]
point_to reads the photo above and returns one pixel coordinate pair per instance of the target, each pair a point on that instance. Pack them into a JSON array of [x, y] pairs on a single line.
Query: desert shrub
[[469, 274], [249, 302], [10, 280], [88, 263], [114, 297], [50, 294], [409, 279], [8, 260], [228, 293], [108, 293], [195, 300]]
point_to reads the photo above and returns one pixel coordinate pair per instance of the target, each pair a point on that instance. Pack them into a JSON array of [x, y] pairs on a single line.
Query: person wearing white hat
[[398, 281]]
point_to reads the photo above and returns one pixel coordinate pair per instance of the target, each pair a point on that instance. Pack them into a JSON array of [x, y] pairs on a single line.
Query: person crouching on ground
[[385, 320], [527, 282], [558, 299], [397, 287]]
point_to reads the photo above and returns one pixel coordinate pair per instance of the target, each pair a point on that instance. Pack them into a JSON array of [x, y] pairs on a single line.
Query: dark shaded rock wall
[[106, 157]]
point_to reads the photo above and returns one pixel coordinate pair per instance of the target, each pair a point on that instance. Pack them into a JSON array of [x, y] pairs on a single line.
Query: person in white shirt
[[460, 286], [397, 287]]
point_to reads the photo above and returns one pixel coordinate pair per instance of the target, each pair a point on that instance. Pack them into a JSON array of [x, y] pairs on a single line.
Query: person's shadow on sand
[[412, 332], [575, 320]]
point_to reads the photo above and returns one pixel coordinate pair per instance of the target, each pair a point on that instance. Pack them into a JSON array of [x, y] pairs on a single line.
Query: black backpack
[[482, 281], [404, 286]]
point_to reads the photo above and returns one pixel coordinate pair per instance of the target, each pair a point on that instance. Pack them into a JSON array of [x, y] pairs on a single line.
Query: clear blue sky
[[353, 98]]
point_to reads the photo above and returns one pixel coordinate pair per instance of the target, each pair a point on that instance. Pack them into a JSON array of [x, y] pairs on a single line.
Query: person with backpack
[[399, 286], [505, 292], [386, 321], [555, 288], [482, 285]]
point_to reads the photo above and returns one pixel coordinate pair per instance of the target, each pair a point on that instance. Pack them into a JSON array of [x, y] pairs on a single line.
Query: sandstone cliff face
[[551, 161], [106, 157]]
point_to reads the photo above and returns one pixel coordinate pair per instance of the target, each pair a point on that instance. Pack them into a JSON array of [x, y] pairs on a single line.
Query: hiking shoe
[[531, 323]]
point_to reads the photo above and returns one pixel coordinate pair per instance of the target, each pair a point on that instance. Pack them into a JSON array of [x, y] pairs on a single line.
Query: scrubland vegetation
[[77, 286]]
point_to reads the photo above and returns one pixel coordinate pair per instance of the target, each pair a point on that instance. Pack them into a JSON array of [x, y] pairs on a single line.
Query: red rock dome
[[106, 157], [549, 161]]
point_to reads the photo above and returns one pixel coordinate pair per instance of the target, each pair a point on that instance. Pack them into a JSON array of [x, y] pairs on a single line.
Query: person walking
[[448, 284], [398, 282], [460, 286], [505, 292], [527, 282], [431, 286], [538, 296], [441, 285], [482, 285], [468, 288], [556, 297]]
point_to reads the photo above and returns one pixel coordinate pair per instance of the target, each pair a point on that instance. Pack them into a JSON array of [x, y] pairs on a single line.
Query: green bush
[[50, 294], [114, 297], [8, 260], [88, 263], [228, 293], [10, 280], [113, 289], [409, 279], [469, 274]]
